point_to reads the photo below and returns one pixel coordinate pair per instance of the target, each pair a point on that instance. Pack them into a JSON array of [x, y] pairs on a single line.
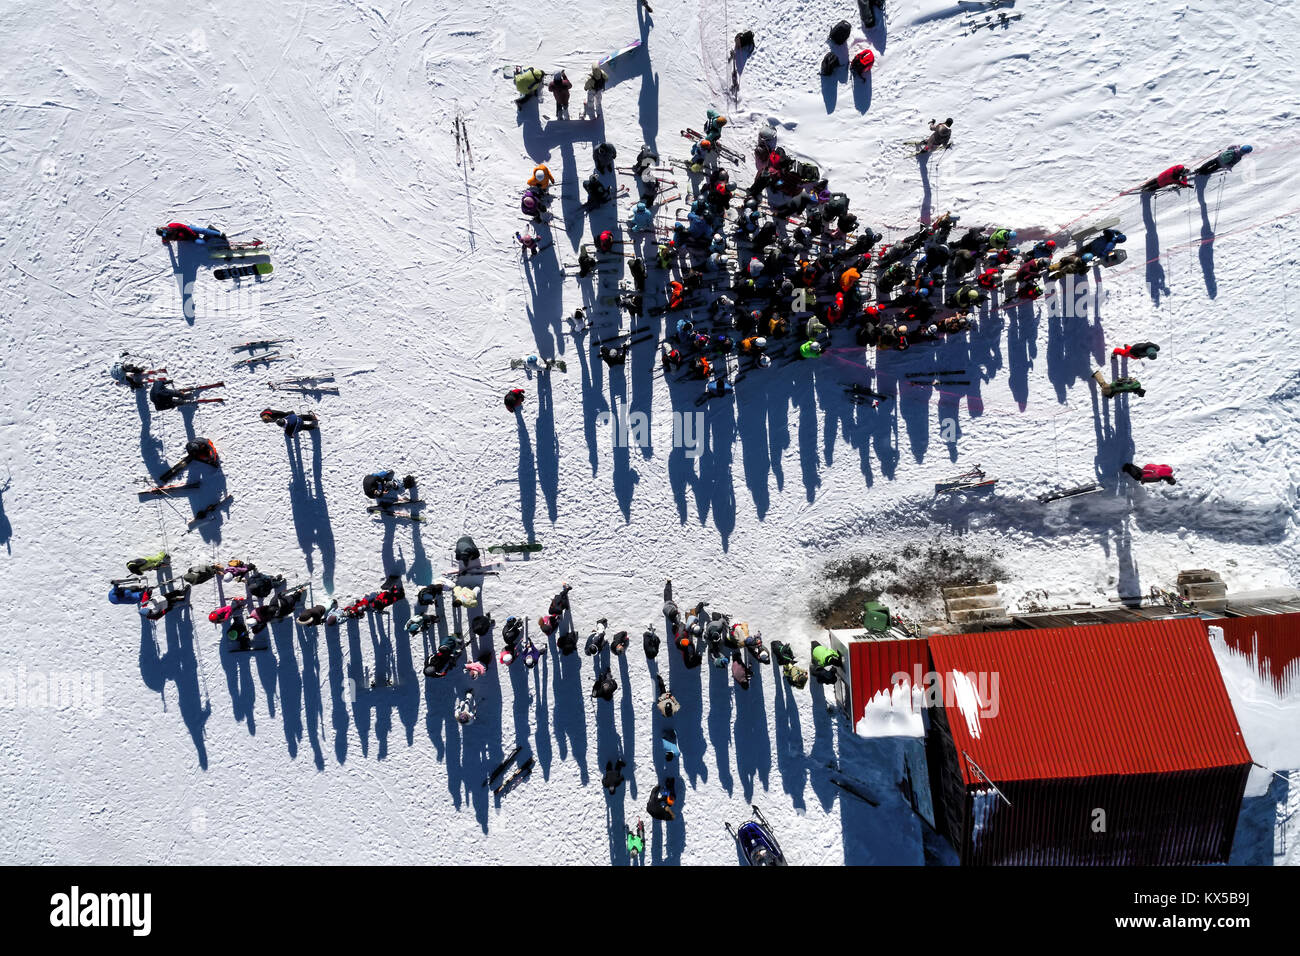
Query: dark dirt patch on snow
[[908, 581]]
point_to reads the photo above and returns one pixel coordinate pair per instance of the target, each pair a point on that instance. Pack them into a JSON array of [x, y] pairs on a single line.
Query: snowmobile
[[757, 842]]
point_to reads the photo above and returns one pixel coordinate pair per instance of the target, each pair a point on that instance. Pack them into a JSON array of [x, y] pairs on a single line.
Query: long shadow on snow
[[716, 490], [753, 399], [1074, 344], [570, 715], [310, 509], [823, 748], [862, 94], [527, 473], [1156, 284], [289, 679], [719, 679], [338, 698], [186, 258], [627, 712], [547, 449], [1022, 349], [685, 685], [610, 747], [179, 665], [1206, 251], [313, 704], [648, 98], [791, 764], [753, 745]]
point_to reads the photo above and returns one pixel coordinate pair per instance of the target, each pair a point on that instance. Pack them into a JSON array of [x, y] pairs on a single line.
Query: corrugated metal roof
[[872, 665], [1080, 702], [1272, 642]]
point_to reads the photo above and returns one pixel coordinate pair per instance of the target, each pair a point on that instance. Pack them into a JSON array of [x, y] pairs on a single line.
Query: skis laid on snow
[[241, 249], [975, 478], [850, 786], [519, 773], [168, 489], [236, 272], [1088, 489], [305, 387], [209, 511], [500, 768], [257, 344], [1001, 20], [258, 359]]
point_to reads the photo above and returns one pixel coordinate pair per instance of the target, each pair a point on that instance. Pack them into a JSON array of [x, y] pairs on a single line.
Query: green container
[[875, 616]]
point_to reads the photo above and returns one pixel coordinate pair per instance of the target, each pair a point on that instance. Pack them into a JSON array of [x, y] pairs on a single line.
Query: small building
[[1114, 744]]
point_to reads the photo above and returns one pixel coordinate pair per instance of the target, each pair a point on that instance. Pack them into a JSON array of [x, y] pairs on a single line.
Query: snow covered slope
[[327, 129]]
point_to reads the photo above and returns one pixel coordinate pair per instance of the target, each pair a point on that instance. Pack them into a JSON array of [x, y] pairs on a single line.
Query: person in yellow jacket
[[528, 81]]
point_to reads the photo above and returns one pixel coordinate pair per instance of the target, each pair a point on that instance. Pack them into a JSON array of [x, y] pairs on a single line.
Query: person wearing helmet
[[1071, 265], [466, 708], [810, 350], [642, 218], [1002, 238], [1225, 160], [603, 156], [1175, 176]]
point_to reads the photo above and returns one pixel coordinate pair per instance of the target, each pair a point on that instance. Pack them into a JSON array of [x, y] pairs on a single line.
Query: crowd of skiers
[[777, 269]]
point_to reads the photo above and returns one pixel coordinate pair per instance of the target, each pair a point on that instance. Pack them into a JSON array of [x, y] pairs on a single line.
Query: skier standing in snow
[[604, 686], [466, 708], [514, 399], [595, 87], [559, 87], [612, 779]]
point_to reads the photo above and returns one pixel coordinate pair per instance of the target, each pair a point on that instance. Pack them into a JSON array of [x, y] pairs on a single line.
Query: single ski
[[515, 548], [388, 505], [521, 771], [236, 272], [619, 52], [381, 512], [948, 371]]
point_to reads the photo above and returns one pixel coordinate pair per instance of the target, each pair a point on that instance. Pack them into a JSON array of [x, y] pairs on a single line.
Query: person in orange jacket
[[541, 177]]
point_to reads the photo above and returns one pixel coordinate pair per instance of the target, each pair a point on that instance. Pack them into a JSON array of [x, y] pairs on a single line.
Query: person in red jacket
[[1149, 473], [514, 398], [1138, 350], [862, 64], [1173, 176]]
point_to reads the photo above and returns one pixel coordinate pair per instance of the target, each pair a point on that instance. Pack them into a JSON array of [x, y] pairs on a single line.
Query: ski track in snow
[[327, 130]]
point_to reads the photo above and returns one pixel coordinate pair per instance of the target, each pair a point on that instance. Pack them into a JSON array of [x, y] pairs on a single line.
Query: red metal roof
[[1088, 701], [873, 664], [1272, 642]]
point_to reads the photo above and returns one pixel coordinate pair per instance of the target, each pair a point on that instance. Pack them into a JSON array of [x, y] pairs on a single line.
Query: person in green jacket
[[528, 81], [810, 350], [823, 656], [1002, 238]]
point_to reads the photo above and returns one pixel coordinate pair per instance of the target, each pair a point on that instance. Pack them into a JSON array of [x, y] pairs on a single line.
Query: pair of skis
[[387, 509], [860, 395], [259, 359], [975, 478], [726, 152], [523, 770], [462, 139], [209, 511], [256, 344]]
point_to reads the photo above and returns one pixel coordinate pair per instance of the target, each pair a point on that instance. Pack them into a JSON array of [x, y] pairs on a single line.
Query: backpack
[[830, 63], [840, 32], [807, 172], [797, 676]]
